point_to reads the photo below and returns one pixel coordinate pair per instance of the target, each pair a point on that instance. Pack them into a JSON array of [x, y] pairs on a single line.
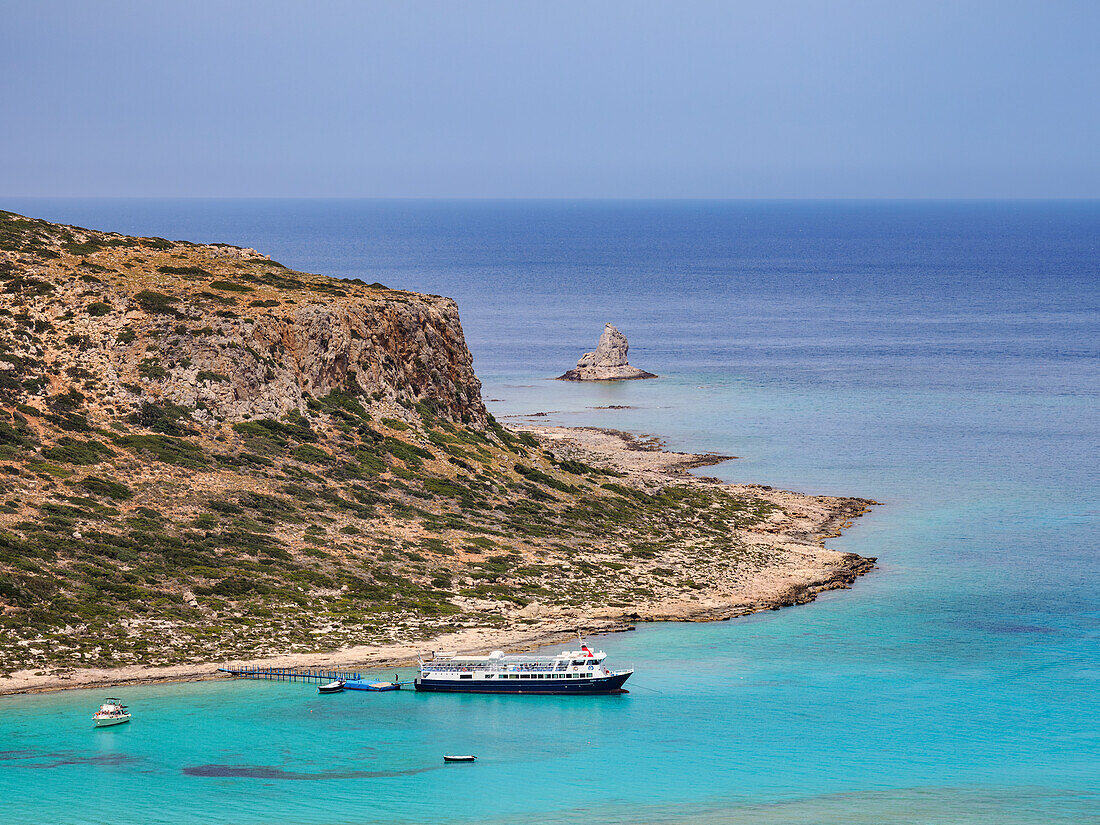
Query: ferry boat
[[111, 712], [571, 671]]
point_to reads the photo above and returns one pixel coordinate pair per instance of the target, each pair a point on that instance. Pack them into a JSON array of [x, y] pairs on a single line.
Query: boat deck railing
[[495, 666]]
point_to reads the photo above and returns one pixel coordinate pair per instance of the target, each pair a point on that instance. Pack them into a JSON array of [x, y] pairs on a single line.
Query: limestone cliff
[[221, 330]]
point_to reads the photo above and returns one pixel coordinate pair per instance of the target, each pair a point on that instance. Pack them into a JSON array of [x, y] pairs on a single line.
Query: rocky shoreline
[[801, 569]]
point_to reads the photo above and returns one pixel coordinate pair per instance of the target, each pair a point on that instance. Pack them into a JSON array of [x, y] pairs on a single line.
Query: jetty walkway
[[292, 674]]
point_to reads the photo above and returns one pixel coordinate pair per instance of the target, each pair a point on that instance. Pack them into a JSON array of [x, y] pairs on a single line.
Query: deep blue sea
[[941, 358]]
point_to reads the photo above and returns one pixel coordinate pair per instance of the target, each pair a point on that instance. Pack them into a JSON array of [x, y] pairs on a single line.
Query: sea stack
[[607, 363]]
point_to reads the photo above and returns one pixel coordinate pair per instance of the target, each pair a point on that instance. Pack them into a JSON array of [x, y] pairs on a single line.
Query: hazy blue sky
[[777, 98]]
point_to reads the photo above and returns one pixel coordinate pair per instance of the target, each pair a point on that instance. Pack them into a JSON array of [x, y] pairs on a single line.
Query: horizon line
[[589, 198]]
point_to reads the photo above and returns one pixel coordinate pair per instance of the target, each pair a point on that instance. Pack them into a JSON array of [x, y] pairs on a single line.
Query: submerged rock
[[607, 363]]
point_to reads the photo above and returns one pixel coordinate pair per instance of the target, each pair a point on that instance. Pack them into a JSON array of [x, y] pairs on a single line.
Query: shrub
[[234, 587], [162, 419], [229, 286], [156, 302], [165, 448], [15, 435], [84, 247], [104, 487], [443, 487], [310, 454], [293, 425], [67, 402], [340, 404], [151, 368], [533, 474], [183, 270], [28, 286], [408, 453], [207, 375], [577, 468], [74, 451], [224, 300], [372, 463], [98, 309]]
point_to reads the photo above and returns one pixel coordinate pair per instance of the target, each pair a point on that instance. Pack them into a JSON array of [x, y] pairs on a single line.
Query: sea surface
[[940, 358]]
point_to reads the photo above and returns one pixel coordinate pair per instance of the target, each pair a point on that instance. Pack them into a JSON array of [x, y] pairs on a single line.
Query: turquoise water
[[940, 358]]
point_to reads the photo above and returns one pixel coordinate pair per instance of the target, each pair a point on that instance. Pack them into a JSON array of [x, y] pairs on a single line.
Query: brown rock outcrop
[[220, 329]]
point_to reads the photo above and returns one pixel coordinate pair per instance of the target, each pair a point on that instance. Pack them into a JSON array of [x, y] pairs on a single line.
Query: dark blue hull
[[580, 687]]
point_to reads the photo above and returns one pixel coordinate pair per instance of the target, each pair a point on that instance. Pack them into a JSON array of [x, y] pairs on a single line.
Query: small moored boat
[[459, 758], [332, 687], [111, 712]]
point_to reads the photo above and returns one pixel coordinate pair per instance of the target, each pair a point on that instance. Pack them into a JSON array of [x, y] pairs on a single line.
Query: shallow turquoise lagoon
[[939, 358]]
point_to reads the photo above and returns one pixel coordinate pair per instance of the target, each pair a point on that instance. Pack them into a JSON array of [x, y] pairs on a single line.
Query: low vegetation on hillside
[[158, 511]]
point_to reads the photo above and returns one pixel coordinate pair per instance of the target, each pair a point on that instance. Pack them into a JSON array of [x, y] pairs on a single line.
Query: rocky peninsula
[[607, 362], [208, 457]]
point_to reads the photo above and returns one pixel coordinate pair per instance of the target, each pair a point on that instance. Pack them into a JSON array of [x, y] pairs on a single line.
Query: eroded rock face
[[407, 347], [608, 362], [219, 330]]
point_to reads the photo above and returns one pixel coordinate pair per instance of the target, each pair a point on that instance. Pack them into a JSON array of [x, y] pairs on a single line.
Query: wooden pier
[[292, 674]]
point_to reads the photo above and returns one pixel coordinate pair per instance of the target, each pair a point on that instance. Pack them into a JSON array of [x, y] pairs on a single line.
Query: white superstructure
[[571, 671], [111, 712]]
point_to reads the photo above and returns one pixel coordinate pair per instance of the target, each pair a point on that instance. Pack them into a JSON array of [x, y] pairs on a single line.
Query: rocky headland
[[607, 362], [208, 457]]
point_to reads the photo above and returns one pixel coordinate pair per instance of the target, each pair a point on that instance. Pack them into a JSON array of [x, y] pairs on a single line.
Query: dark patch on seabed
[[1010, 629], [57, 760], [263, 772]]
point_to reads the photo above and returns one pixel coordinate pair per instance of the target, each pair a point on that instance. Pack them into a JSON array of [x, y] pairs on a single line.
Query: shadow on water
[[263, 772], [29, 759]]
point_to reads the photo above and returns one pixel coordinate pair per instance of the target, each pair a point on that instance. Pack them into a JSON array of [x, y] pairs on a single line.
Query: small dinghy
[[332, 687], [459, 758]]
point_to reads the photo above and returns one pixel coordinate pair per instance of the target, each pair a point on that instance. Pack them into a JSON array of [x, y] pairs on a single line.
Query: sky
[[559, 99]]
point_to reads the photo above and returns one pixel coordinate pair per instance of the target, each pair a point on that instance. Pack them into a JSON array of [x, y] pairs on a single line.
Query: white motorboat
[[111, 712]]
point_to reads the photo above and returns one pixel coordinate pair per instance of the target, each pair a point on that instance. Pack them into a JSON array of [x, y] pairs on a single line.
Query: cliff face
[[222, 330]]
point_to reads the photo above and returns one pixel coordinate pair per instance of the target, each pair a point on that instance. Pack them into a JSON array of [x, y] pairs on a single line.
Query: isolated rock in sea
[[607, 363]]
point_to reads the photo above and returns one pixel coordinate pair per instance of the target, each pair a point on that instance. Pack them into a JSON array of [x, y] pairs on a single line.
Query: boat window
[[465, 676]]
